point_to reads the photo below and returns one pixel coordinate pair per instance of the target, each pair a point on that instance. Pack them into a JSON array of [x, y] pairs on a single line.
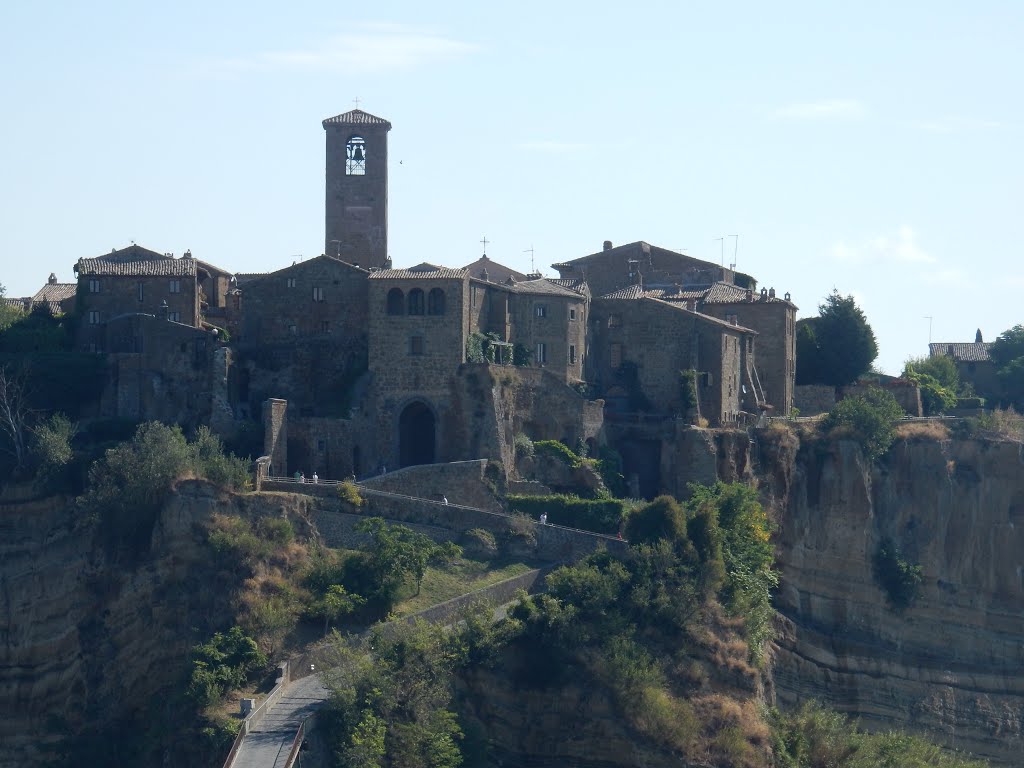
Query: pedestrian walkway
[[269, 744]]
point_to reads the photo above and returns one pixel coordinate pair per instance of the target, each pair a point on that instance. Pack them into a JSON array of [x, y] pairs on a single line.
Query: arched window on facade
[[415, 302], [355, 157], [396, 302], [435, 302]]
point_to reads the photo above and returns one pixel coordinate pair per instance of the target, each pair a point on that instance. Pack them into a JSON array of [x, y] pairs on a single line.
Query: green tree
[[1007, 353], [397, 552], [8, 314], [844, 342], [50, 445], [337, 603], [870, 419], [808, 363]]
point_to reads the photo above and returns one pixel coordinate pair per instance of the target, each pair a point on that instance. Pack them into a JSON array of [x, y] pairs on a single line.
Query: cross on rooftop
[[356, 102], [485, 241]]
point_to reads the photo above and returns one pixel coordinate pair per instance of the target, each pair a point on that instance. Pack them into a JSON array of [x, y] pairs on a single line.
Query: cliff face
[[85, 641], [952, 664]]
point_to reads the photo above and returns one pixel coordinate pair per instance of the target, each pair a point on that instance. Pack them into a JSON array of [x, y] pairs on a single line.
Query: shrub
[[899, 578], [523, 445], [868, 419], [598, 515], [221, 664], [687, 390], [556, 450], [348, 492], [1006, 423]]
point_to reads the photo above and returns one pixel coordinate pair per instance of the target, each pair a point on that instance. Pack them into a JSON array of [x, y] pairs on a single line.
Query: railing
[[254, 718], [297, 741]]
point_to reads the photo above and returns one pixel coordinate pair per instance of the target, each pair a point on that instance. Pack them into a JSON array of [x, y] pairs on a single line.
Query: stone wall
[[320, 298], [907, 394], [275, 435], [462, 482], [812, 399]]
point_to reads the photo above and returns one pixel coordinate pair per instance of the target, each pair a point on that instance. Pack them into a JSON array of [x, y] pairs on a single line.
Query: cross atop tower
[[485, 241], [356, 102]]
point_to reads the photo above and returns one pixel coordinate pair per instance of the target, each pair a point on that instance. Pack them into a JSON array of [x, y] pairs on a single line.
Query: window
[[572, 313], [614, 321], [542, 353], [415, 302], [318, 293], [293, 330], [174, 317], [355, 157], [396, 302], [540, 310], [416, 345], [321, 445], [616, 356], [94, 317], [291, 282], [325, 326], [472, 296], [94, 285], [174, 286], [435, 302], [572, 354], [139, 289]]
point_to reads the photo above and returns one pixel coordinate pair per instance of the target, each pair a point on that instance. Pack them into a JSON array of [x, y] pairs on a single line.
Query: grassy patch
[[924, 430], [460, 578]]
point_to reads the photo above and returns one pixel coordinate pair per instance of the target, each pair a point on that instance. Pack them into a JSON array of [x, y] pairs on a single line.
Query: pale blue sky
[[873, 147]]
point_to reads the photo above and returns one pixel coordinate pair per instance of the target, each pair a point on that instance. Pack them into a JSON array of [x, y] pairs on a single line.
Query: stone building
[[642, 345], [973, 364], [134, 280], [356, 204], [58, 298]]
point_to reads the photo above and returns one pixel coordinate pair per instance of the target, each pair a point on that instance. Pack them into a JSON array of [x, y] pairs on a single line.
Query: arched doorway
[[416, 429]]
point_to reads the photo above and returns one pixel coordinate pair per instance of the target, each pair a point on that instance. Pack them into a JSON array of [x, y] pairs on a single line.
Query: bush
[[900, 579], [1006, 423], [523, 445], [348, 492], [556, 450], [598, 515], [222, 664], [869, 419]]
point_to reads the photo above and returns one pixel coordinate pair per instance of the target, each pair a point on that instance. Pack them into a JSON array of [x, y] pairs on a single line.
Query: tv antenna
[[530, 251], [722, 241], [929, 319], [735, 250]]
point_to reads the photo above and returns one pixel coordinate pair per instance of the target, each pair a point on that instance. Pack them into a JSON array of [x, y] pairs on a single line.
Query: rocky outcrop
[[950, 665], [85, 640]]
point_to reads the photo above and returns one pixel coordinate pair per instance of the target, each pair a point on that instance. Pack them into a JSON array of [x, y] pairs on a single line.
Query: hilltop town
[[352, 365]]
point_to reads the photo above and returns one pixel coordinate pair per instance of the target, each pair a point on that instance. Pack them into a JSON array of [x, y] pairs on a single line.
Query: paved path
[[268, 745]]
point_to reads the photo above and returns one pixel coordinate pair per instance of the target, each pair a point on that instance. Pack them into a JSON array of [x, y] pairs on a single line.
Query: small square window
[[94, 317], [94, 286], [174, 317], [416, 345], [291, 282], [572, 313], [318, 293], [542, 353], [540, 310], [614, 321], [175, 286]]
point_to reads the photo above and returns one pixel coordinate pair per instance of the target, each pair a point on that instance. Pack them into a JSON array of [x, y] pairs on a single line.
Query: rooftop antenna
[[929, 319], [297, 256], [735, 250], [356, 102], [530, 251], [722, 241]]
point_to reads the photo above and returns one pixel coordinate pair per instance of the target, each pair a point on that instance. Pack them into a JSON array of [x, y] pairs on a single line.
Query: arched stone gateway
[[416, 435]]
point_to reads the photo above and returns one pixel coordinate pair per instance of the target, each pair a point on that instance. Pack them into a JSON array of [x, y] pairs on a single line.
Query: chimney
[[771, 293], [52, 280], [607, 245], [750, 294], [977, 337]]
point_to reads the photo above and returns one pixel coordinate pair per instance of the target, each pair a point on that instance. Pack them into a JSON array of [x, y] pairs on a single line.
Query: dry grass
[[922, 430], [734, 734]]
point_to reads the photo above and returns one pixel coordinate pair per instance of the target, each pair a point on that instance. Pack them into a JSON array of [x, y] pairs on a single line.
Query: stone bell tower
[[356, 208]]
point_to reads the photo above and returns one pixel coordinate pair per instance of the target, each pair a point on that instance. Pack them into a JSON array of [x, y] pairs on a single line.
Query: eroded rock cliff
[[951, 664]]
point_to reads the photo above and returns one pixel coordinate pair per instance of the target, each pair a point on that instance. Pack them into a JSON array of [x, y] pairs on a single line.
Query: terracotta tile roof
[[134, 253], [55, 292], [152, 268], [496, 272], [543, 286], [629, 292], [356, 117], [16, 303], [725, 293], [576, 284], [705, 318], [963, 352], [422, 271]]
